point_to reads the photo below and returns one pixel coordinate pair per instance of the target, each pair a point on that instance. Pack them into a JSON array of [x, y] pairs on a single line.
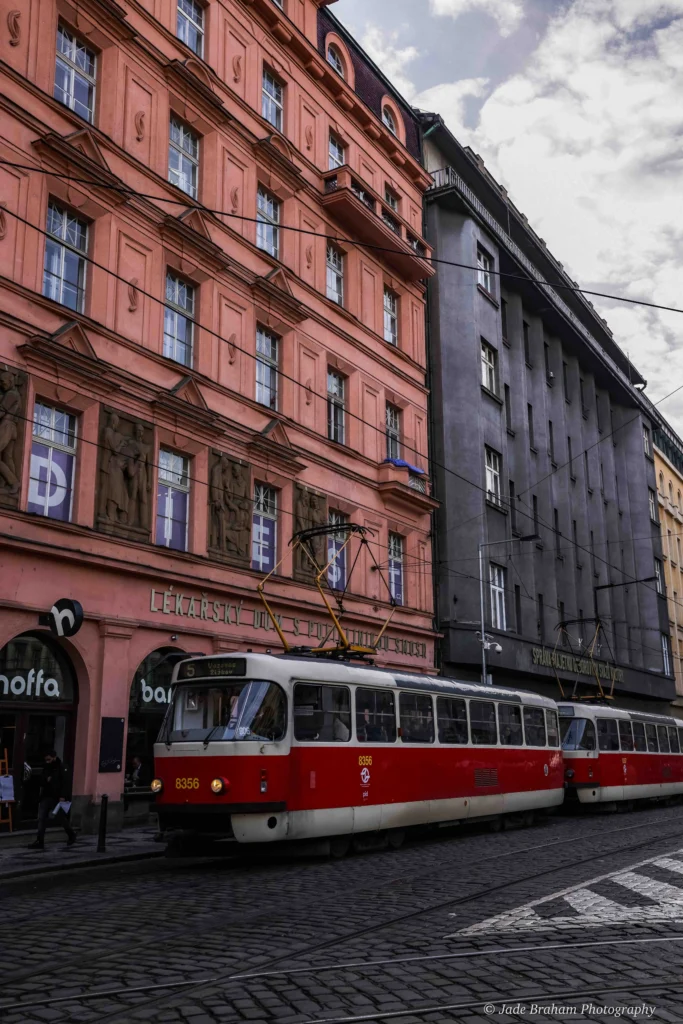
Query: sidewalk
[[16, 861]]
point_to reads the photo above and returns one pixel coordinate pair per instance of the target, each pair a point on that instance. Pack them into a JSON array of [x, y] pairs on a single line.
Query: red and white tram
[[613, 755], [263, 748]]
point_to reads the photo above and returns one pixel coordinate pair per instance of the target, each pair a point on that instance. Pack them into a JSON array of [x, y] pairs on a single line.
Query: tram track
[[189, 985]]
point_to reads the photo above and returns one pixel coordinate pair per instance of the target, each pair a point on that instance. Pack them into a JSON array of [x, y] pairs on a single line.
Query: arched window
[[661, 483], [389, 120], [149, 696], [334, 58], [671, 492]]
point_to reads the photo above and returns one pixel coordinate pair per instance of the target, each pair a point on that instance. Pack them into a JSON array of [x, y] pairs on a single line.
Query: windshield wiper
[[210, 736]]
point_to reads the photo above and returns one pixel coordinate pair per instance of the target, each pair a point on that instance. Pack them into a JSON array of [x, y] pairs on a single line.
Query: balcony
[[367, 218], [405, 489]]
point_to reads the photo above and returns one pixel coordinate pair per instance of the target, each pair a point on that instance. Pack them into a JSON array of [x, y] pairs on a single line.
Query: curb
[[47, 869]]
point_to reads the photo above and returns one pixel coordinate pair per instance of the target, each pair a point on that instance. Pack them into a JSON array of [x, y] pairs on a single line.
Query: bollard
[[102, 833]]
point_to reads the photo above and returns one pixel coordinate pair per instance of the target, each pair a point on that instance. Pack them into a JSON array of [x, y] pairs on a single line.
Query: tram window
[[673, 739], [663, 737], [483, 722], [625, 735], [254, 711], [322, 714], [417, 717], [639, 740], [375, 716], [577, 734], [510, 725], [680, 738], [553, 731], [608, 734], [651, 734], [451, 713], [534, 727]]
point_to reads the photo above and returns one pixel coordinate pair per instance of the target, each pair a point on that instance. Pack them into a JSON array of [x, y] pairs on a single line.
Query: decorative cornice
[[82, 149], [194, 76]]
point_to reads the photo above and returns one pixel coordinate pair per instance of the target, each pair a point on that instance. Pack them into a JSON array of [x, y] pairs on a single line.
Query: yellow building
[[668, 453]]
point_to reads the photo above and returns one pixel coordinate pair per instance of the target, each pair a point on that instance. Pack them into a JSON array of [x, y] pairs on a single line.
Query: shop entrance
[[37, 713], [149, 694]]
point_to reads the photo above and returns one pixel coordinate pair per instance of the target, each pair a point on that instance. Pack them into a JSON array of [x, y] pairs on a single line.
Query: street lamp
[[611, 586], [486, 641]]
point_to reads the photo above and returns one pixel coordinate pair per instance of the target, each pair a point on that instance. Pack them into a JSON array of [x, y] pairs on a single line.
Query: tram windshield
[[243, 711], [577, 734]]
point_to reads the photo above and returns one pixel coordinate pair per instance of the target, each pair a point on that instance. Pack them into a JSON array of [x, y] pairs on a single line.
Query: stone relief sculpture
[[310, 509], [11, 432], [125, 479], [230, 508]]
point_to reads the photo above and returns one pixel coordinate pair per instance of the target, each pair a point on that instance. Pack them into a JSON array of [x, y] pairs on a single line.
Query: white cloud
[[588, 138], [508, 13], [389, 57], [448, 100]]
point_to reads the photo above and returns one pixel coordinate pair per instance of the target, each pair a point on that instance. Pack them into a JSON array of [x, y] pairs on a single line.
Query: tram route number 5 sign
[[65, 618]]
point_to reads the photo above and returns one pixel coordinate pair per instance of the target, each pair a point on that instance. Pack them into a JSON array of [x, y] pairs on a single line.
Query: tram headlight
[[156, 785], [219, 785], [569, 774]]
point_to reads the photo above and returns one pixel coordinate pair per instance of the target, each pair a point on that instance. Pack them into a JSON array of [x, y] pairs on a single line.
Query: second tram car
[[613, 755], [264, 748]]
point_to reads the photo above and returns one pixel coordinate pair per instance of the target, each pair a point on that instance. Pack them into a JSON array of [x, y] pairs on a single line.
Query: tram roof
[[607, 711], [309, 668]]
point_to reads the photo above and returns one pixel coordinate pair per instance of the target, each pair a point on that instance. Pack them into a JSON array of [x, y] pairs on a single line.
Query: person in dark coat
[[53, 788]]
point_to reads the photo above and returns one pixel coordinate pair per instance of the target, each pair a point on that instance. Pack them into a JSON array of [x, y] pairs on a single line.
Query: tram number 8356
[[365, 760], [187, 783]]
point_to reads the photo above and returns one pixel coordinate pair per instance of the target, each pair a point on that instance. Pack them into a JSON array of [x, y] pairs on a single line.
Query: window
[[173, 495], [652, 497], [663, 737], [594, 567], [602, 478], [272, 99], [65, 249], [546, 358], [530, 425], [556, 531], [336, 396], [552, 728], [488, 367], [391, 199], [322, 714], [53, 463], [264, 529], [666, 654], [451, 714], [582, 396], [512, 502], [375, 716], [527, 343], [393, 431], [334, 60], [483, 722], [551, 441], [671, 494], [335, 274], [646, 442], [389, 120], [508, 407], [336, 574], [519, 625], [565, 382], [179, 319], [492, 461], [598, 412], [540, 609], [563, 635], [639, 741], [75, 71], [190, 25], [659, 577], [625, 735], [587, 471], [534, 727], [534, 511], [575, 540], [484, 270], [651, 736], [268, 223], [510, 725], [504, 319], [608, 734], [266, 367], [416, 717], [497, 589], [577, 734], [673, 739], [390, 316], [336, 152], [396, 567], [183, 158], [570, 459]]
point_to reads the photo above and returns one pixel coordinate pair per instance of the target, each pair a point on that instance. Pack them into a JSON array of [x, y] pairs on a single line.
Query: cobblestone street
[[461, 927]]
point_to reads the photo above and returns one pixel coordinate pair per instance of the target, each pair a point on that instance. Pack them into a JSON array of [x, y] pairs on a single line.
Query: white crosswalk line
[[592, 905], [662, 892], [670, 864]]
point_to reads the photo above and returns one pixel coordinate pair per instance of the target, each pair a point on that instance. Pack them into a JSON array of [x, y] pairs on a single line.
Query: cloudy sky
[[577, 108]]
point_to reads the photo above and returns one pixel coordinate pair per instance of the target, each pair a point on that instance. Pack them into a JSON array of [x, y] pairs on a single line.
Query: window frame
[[390, 307], [493, 467], [171, 486], [386, 692], [485, 268], [184, 154], [459, 700], [336, 152], [389, 119], [392, 430], [272, 100], [483, 742], [198, 26], [334, 538], [608, 725], [267, 364], [74, 70], [268, 220], [336, 407], [489, 367], [395, 567], [334, 274], [497, 596], [265, 509], [322, 686], [174, 307], [66, 246], [528, 710], [407, 695], [504, 705], [337, 65], [70, 450], [652, 500]]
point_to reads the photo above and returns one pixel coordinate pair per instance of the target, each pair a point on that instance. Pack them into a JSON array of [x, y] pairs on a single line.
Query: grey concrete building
[[539, 430]]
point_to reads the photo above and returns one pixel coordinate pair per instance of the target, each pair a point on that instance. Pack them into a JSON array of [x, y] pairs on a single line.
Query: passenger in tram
[[340, 730], [370, 731]]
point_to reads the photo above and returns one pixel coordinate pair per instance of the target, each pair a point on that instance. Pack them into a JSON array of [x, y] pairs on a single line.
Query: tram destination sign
[[213, 667], [544, 656]]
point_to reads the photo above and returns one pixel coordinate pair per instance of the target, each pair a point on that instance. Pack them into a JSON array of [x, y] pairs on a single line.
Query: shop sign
[[65, 618], [579, 666], [30, 684], [172, 602]]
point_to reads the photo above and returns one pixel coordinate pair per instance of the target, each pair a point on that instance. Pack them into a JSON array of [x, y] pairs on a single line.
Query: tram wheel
[[527, 819], [339, 847], [396, 838], [496, 824]]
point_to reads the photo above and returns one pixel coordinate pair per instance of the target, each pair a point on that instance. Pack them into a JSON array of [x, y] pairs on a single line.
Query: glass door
[[42, 731]]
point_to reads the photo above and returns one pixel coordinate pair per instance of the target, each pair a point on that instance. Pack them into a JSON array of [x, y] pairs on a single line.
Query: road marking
[[587, 908]]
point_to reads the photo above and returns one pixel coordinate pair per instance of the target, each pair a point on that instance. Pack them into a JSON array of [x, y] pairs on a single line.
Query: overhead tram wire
[[253, 356]]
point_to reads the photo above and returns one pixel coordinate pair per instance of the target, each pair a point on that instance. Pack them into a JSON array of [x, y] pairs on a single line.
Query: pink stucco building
[[189, 369]]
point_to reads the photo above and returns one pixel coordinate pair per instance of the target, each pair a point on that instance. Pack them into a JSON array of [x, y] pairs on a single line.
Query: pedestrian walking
[[53, 788]]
